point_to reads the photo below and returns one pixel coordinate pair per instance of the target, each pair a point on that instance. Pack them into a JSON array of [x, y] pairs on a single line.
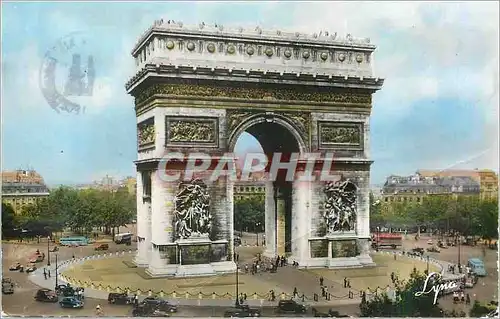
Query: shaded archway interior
[[275, 138]]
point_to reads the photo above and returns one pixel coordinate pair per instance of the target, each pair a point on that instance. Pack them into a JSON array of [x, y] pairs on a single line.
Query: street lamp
[[48, 250], [377, 239], [257, 225], [459, 239], [56, 273], [237, 302]]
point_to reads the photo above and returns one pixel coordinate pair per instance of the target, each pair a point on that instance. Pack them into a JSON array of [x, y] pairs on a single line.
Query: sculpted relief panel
[[340, 207], [340, 135], [192, 131], [146, 133], [192, 217]]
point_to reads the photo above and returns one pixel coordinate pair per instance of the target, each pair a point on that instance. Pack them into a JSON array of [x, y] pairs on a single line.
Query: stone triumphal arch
[[197, 88]]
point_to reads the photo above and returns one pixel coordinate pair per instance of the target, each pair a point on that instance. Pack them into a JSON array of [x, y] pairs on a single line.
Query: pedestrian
[[348, 283], [49, 273], [321, 281], [237, 257], [136, 300], [394, 256], [326, 293], [322, 291], [295, 292], [245, 296], [467, 299], [98, 311], [345, 282]]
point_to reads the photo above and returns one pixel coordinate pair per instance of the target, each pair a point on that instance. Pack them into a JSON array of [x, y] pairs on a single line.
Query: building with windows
[[488, 179], [414, 188], [21, 188], [254, 187]]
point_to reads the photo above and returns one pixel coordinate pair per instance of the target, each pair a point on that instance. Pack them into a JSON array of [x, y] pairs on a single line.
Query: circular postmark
[[68, 74]]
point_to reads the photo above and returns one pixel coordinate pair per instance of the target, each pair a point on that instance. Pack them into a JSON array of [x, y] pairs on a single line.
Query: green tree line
[[249, 214], [78, 210], [466, 215]]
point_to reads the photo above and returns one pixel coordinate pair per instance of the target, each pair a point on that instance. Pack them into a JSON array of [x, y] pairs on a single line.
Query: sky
[[438, 107]]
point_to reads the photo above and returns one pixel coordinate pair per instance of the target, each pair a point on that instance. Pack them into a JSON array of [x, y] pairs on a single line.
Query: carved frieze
[[301, 121], [341, 135], [234, 118], [246, 93], [188, 131], [146, 133], [340, 207]]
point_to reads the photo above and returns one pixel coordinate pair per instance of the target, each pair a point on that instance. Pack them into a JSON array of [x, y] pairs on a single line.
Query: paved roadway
[[23, 303]]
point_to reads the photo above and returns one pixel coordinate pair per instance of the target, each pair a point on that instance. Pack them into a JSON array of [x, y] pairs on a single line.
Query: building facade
[[488, 179], [415, 188], [21, 188], [197, 89]]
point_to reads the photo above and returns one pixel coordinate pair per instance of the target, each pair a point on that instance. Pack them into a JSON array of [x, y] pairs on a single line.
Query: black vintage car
[[159, 304], [290, 306], [120, 299], [7, 288], [46, 295], [148, 310], [241, 311]]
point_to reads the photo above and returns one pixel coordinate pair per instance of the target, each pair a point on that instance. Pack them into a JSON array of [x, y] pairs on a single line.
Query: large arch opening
[[275, 197]]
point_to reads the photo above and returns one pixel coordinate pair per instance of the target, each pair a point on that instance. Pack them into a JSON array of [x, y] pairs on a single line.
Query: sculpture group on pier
[[340, 206], [192, 217]]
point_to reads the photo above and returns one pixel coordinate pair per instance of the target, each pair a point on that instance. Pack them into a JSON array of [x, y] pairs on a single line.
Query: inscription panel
[[146, 134], [340, 135], [192, 131]]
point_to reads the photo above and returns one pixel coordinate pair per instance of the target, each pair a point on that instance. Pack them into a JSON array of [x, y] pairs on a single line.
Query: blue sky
[[438, 107]]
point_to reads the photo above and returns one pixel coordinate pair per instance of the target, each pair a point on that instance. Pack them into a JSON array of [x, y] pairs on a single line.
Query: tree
[[485, 223], [248, 212], [8, 220], [407, 304]]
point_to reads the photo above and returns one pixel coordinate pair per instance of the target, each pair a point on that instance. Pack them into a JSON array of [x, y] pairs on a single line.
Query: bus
[[74, 241], [125, 238], [390, 240]]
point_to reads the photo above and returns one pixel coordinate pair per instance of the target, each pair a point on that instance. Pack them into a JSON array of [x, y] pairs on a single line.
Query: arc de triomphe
[[197, 88]]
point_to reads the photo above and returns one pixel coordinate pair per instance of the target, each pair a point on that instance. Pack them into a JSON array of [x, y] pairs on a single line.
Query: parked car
[[30, 268], [7, 288], [60, 288], [71, 302], [37, 257], [148, 310], [102, 247], [433, 249], [416, 252], [6, 279], [120, 299], [242, 311], [17, 266], [46, 295], [290, 306], [160, 304]]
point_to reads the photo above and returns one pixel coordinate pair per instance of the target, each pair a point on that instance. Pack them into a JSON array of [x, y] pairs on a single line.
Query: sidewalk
[[37, 278]]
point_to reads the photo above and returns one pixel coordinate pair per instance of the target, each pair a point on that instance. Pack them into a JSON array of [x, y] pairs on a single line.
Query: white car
[[493, 314]]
